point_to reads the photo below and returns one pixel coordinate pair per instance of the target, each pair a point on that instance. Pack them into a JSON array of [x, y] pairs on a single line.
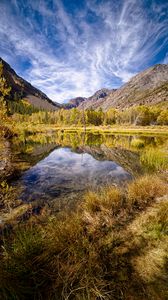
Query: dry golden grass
[[150, 235], [145, 189], [108, 198], [105, 250]]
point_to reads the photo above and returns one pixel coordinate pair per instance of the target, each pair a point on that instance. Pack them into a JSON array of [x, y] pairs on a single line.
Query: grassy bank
[[30, 128], [145, 130], [112, 247]]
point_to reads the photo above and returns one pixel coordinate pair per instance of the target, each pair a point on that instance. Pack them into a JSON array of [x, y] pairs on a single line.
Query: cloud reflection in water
[[64, 171]]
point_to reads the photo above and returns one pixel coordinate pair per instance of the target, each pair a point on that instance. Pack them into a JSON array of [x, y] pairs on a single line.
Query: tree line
[[139, 115], [21, 111]]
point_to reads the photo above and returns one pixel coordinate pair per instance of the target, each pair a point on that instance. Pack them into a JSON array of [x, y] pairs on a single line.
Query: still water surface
[[58, 165], [64, 171]]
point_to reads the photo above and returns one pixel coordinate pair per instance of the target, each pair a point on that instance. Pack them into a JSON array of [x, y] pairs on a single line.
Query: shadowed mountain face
[[24, 89], [149, 87]]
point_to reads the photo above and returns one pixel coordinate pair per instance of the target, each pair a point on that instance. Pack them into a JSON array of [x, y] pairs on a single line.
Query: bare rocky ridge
[[93, 101], [96, 100], [25, 89], [75, 102], [149, 87]]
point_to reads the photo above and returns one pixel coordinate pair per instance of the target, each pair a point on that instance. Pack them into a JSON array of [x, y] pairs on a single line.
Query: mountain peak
[[146, 88]]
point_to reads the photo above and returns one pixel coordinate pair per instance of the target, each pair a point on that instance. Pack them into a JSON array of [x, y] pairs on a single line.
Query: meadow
[[112, 242]]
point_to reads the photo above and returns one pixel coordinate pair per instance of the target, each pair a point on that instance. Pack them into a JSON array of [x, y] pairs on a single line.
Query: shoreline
[[46, 128]]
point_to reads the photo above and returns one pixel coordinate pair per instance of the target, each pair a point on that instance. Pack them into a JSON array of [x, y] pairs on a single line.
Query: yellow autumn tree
[[4, 92]]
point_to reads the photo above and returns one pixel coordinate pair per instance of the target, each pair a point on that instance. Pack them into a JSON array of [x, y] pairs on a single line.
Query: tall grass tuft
[[154, 159], [145, 189], [107, 198]]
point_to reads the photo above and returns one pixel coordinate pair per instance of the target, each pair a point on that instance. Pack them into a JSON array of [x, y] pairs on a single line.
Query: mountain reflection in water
[[64, 171]]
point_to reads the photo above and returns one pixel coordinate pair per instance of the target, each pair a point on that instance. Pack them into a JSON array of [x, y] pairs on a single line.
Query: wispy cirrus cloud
[[73, 49]]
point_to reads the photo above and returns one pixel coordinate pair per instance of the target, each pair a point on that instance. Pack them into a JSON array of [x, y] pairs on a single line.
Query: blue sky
[[73, 48]]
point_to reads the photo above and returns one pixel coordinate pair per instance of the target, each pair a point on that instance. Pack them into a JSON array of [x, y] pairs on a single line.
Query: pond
[[64, 171], [63, 165]]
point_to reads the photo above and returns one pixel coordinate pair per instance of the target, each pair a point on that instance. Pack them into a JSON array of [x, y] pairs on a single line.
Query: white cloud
[[102, 45], [165, 61]]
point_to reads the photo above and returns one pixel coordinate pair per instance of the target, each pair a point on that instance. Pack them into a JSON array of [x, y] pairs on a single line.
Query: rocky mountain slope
[[149, 87], [75, 102], [93, 101], [97, 99], [20, 88]]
